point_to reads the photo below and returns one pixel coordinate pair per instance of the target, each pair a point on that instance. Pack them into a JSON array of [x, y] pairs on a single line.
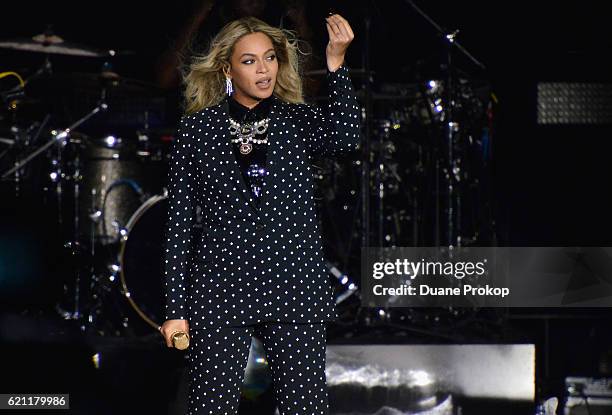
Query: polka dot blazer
[[253, 265]]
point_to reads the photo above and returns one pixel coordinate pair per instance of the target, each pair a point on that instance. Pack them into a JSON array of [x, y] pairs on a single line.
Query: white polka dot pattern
[[296, 358], [253, 265]]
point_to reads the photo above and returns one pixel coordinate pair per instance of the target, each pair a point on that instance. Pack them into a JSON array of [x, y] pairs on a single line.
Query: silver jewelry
[[246, 133], [229, 88]]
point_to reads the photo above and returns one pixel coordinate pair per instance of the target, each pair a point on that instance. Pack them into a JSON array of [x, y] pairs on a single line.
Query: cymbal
[[49, 43], [94, 81], [352, 71], [46, 38]]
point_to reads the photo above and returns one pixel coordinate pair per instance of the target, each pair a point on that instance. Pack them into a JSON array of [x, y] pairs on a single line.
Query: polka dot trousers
[[296, 356]]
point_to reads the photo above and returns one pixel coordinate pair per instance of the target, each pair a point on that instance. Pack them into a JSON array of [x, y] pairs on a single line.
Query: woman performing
[[242, 154]]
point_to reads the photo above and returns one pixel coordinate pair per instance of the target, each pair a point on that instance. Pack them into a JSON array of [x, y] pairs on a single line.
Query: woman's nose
[[262, 67]]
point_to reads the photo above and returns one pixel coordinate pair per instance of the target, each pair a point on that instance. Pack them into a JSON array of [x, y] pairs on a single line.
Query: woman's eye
[[248, 62]]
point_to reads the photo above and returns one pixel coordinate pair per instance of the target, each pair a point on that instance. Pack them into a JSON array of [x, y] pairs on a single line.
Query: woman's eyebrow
[[252, 54]]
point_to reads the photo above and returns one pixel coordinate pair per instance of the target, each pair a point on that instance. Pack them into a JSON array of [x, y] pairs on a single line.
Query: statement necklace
[[245, 133]]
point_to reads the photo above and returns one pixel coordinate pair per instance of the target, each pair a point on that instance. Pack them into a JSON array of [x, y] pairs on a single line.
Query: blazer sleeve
[[335, 130], [180, 218]]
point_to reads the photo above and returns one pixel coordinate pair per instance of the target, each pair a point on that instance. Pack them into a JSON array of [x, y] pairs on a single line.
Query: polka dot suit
[[295, 354], [253, 265], [254, 270]]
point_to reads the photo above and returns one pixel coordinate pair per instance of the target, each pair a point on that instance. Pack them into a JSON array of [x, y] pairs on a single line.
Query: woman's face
[[253, 69]]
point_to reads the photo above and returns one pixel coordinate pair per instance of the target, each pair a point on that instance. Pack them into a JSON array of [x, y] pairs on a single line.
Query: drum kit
[[406, 188], [422, 177], [93, 148], [102, 177], [407, 123]]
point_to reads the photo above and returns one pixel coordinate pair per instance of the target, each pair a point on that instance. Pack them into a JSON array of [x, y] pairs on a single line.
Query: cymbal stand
[[11, 98], [365, 151], [61, 138], [451, 128], [365, 166]]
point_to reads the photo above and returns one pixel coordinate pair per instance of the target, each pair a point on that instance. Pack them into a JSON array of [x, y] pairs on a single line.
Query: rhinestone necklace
[[245, 133]]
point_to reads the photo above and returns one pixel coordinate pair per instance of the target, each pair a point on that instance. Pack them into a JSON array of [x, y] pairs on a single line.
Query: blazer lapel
[[231, 164]]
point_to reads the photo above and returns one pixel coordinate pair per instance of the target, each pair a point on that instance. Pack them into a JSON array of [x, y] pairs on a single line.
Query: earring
[[228, 86]]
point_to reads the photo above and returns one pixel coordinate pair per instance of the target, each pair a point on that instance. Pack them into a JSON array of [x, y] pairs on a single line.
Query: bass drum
[[141, 264]]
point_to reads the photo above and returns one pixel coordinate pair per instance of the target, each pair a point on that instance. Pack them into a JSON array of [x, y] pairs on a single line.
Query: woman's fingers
[[166, 335], [172, 326], [339, 30], [336, 30], [347, 26], [341, 24], [332, 30], [335, 25], [340, 36]]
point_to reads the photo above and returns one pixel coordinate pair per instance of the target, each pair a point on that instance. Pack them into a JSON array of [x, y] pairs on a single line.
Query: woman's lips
[[264, 84]]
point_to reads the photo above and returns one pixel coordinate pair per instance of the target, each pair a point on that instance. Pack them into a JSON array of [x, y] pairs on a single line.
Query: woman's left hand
[[340, 36]]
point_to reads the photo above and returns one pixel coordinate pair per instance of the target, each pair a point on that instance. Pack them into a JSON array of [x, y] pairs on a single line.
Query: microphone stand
[[451, 127]]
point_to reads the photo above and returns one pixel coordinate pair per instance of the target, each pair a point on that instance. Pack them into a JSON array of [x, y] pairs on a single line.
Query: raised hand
[[340, 37]]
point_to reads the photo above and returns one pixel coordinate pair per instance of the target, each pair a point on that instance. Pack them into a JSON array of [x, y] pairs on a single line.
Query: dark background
[[549, 183]]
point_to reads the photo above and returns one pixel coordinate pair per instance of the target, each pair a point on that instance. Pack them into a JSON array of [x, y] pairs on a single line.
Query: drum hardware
[[136, 105], [448, 116], [127, 297], [77, 154], [405, 143], [347, 285], [22, 138], [118, 176], [141, 277], [49, 43], [62, 138], [58, 137], [392, 147], [99, 214]]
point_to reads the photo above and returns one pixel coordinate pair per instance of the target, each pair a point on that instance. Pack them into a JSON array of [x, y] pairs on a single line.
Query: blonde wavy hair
[[204, 77]]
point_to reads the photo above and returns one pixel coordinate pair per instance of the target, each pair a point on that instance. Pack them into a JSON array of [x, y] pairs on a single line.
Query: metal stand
[[365, 149], [452, 171], [61, 138]]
